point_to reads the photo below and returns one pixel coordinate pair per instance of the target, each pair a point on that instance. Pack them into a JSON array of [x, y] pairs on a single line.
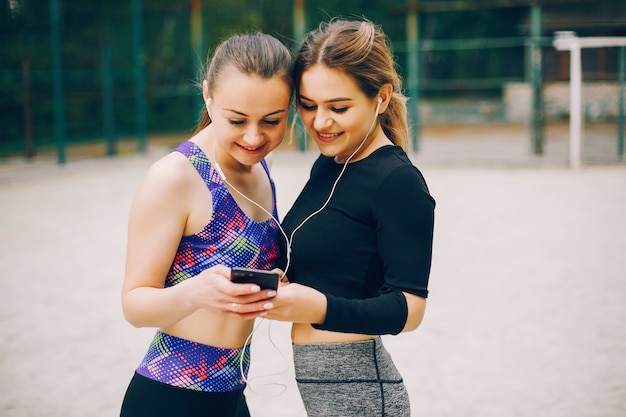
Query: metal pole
[[139, 76], [620, 103], [299, 27], [108, 113], [413, 72], [29, 149], [59, 104], [575, 118], [567, 40], [196, 46], [299, 22], [536, 74]]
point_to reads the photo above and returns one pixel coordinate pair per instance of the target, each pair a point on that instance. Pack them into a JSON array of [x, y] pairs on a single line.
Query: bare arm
[[156, 224]]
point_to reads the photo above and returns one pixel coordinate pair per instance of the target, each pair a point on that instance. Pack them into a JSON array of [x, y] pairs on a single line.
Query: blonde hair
[[251, 54], [361, 50]]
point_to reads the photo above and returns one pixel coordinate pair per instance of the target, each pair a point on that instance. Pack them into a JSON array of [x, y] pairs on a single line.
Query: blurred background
[[114, 77], [527, 314]]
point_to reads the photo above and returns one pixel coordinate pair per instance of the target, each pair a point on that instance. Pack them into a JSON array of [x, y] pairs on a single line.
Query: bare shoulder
[[167, 183], [173, 171]]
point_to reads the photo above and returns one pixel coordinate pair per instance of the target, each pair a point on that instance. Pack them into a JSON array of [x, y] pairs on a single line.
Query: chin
[[328, 152], [251, 159], [326, 149]]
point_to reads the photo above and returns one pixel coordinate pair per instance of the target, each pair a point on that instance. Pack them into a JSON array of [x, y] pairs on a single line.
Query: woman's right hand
[[213, 290]]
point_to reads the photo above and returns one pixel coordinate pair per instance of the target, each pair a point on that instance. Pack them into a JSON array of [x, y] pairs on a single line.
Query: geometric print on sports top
[[186, 364], [232, 239]]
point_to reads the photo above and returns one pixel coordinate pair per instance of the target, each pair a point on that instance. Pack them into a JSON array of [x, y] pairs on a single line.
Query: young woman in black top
[[360, 233]]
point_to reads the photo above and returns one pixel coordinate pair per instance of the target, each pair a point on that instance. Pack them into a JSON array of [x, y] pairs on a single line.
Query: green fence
[[126, 70]]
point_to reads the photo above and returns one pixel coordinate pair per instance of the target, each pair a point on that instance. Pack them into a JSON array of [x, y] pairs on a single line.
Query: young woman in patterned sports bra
[[187, 228]]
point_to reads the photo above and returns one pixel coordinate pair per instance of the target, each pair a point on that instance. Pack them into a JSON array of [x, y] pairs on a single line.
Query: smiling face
[[249, 116], [337, 114]]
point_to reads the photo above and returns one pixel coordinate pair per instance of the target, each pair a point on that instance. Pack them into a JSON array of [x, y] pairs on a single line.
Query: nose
[[253, 135], [322, 120]]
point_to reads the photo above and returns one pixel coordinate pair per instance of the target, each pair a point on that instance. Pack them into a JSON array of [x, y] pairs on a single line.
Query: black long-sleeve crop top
[[372, 242]]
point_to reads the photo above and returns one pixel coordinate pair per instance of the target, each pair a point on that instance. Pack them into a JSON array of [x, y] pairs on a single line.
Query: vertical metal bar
[[299, 27], [59, 102], [575, 118], [299, 21], [413, 73], [29, 148], [108, 117], [536, 75], [620, 103], [139, 76], [197, 47]]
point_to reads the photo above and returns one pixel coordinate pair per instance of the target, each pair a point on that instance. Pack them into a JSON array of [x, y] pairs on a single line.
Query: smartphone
[[265, 279]]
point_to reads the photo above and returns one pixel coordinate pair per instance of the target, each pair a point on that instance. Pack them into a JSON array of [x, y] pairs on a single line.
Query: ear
[[385, 93], [205, 90]]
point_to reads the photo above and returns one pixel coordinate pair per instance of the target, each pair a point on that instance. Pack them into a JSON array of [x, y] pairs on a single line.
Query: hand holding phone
[[265, 279]]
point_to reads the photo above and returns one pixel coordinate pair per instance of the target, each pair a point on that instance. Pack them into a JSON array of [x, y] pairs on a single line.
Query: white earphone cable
[[289, 239], [332, 190]]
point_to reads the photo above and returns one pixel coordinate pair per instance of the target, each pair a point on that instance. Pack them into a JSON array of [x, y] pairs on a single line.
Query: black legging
[[147, 398]]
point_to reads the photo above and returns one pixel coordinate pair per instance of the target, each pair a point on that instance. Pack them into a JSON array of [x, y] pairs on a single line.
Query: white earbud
[[208, 107], [380, 101]]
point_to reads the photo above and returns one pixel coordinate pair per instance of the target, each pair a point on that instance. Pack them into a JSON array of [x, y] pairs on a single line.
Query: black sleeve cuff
[[385, 314]]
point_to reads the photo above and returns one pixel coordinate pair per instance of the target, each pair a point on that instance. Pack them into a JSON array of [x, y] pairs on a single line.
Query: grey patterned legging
[[350, 379]]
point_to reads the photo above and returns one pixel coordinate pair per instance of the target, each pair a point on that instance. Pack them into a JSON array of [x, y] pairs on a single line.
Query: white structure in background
[[568, 41]]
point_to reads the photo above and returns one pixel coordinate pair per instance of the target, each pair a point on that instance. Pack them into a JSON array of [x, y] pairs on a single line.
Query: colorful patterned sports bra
[[230, 238]]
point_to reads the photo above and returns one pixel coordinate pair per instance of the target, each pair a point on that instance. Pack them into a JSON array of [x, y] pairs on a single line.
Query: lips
[[327, 137], [251, 150]]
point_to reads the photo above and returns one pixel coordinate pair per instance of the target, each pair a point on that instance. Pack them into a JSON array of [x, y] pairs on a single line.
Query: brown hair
[[361, 50], [251, 54]]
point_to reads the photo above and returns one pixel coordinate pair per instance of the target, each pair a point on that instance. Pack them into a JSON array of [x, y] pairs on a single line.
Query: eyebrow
[[245, 115], [332, 100]]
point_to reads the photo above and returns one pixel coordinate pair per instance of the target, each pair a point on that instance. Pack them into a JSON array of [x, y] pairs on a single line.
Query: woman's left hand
[[282, 276], [297, 304]]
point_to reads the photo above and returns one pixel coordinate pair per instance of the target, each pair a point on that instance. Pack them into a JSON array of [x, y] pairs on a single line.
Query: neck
[[378, 140]]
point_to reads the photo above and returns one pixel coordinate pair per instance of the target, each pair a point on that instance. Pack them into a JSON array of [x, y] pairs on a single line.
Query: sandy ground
[[526, 315]]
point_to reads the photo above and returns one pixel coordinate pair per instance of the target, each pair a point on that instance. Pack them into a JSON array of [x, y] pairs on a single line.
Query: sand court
[[526, 315]]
